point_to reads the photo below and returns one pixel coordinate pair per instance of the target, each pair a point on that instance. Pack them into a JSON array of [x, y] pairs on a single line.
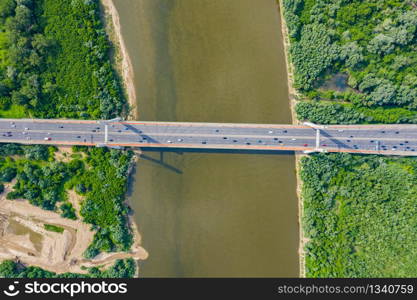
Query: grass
[[14, 112], [53, 228]]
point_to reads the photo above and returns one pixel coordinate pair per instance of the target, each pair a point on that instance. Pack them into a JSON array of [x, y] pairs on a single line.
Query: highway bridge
[[371, 139]]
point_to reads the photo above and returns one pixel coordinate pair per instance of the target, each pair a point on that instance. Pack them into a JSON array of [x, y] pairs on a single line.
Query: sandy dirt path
[[294, 95], [56, 252], [123, 61], [125, 68]]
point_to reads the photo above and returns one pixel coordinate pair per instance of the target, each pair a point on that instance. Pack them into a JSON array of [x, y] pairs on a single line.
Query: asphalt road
[[382, 139]]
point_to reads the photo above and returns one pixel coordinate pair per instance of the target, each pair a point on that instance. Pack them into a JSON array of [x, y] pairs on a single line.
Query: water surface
[[211, 214]]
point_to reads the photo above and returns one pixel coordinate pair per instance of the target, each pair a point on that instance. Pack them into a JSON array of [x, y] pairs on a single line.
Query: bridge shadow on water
[[181, 151], [160, 162], [209, 151]]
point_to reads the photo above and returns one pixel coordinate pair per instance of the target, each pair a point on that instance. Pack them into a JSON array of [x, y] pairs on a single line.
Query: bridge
[[367, 139]]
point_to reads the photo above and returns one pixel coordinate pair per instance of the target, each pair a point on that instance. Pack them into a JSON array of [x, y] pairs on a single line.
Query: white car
[[293, 139], [270, 131], [169, 141], [180, 140]]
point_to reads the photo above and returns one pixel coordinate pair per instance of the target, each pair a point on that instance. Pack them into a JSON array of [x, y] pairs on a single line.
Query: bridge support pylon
[[314, 126], [317, 138], [315, 151], [317, 128], [106, 131]]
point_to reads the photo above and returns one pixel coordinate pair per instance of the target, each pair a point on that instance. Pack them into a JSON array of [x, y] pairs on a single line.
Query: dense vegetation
[[346, 113], [373, 42], [54, 61], [121, 269], [101, 176], [39, 178], [360, 213], [104, 186]]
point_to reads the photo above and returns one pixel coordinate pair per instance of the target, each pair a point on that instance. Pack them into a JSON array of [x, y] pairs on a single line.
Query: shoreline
[[55, 252], [124, 67], [293, 96], [122, 61]]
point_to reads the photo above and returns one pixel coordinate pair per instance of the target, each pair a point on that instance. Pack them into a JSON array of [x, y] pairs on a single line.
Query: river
[[212, 214]]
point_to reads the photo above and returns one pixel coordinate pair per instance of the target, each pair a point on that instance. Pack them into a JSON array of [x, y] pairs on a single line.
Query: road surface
[[378, 139]]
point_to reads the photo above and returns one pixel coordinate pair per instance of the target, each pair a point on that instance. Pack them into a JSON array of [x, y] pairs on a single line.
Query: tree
[[68, 211], [40, 43], [19, 98], [369, 82], [22, 20], [400, 62], [381, 44], [10, 149], [384, 94], [7, 174], [8, 269], [37, 152], [7, 8], [312, 55], [352, 54], [4, 89], [80, 188]]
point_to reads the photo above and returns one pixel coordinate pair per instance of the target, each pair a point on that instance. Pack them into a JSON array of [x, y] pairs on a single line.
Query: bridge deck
[[378, 139]]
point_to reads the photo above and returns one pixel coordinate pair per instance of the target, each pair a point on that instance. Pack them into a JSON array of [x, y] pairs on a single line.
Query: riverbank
[[121, 58], [24, 238], [294, 95], [193, 64], [123, 65]]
